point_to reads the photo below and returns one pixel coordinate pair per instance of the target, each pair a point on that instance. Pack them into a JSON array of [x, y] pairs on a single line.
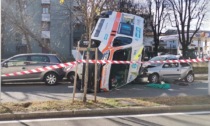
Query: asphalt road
[[39, 92], [162, 119]]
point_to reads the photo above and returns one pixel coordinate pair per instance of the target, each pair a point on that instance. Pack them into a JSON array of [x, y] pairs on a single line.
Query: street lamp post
[[71, 28], [199, 42], [209, 78], [0, 52]]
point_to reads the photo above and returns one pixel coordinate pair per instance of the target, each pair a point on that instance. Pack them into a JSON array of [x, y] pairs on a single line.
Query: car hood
[[150, 65]]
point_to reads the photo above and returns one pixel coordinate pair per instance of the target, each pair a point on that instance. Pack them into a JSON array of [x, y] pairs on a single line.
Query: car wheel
[[154, 78], [189, 78], [71, 77], [51, 78]]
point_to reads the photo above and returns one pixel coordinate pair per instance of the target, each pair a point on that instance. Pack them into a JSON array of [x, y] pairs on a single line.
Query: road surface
[[41, 92], [162, 119]]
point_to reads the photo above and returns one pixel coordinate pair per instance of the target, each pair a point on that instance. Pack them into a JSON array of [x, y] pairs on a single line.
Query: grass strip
[[64, 105]]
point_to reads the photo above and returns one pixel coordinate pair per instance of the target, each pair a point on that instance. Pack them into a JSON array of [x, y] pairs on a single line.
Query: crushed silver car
[[157, 72]]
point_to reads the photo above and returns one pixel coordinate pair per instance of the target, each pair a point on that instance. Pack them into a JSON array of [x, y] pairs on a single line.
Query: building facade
[[172, 45], [39, 22]]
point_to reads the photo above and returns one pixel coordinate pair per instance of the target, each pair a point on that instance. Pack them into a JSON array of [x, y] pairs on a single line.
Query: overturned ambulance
[[119, 37]]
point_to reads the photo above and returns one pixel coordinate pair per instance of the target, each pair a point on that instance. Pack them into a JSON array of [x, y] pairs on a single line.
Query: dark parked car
[[24, 62]]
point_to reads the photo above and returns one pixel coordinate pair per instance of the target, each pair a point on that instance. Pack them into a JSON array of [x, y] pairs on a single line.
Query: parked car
[[161, 58], [173, 71], [24, 62], [70, 70], [203, 56], [70, 73]]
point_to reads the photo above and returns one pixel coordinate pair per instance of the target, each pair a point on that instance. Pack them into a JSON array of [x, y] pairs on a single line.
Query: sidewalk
[[104, 112], [201, 76]]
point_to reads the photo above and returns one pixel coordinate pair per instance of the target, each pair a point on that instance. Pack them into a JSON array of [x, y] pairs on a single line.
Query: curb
[[104, 112], [201, 78]]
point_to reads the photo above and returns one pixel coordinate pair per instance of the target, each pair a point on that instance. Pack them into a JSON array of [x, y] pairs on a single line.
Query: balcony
[[45, 1], [45, 17], [46, 34]]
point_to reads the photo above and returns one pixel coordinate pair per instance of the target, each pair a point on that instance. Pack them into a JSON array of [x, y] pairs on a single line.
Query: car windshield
[[162, 58], [158, 58]]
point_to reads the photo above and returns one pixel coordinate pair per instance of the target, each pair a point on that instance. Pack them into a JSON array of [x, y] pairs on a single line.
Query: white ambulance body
[[120, 37]]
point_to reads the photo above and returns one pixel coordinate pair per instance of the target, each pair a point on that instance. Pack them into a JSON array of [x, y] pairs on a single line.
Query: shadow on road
[[40, 92]]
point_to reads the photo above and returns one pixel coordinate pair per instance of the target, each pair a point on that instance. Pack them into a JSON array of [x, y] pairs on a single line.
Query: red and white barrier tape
[[36, 70], [139, 62]]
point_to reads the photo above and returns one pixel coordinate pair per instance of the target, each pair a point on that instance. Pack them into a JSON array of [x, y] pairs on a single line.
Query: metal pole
[[96, 74], [206, 46], [199, 42], [209, 78], [0, 51], [71, 28]]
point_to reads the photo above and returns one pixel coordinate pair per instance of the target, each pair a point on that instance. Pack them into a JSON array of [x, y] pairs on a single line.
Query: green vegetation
[[200, 68]]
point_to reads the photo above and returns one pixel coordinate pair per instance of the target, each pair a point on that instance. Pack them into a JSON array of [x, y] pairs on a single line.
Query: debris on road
[[161, 86]]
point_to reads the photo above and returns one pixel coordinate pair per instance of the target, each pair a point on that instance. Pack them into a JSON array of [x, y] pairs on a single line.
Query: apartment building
[[45, 24], [39, 22]]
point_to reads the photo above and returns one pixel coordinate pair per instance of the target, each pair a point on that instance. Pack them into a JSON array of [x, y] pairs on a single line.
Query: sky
[[206, 22]]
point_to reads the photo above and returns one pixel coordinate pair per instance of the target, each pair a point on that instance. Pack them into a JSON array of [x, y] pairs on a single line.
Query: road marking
[[102, 117]]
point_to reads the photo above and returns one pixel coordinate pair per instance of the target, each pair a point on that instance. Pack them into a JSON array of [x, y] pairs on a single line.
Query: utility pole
[[0, 51], [209, 78], [199, 50], [71, 28]]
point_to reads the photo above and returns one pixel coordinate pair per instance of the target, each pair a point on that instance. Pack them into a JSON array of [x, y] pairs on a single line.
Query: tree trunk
[[86, 75], [87, 63], [29, 50], [156, 46], [184, 49], [155, 50]]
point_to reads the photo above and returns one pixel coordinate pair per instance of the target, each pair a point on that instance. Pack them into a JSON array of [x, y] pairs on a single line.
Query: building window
[[45, 10], [45, 26]]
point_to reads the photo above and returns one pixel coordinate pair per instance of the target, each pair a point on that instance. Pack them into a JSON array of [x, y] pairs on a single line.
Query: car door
[[37, 61], [119, 72], [116, 75], [170, 71], [16, 64], [184, 68]]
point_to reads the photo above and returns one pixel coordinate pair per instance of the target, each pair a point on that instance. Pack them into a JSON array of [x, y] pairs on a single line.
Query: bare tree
[[20, 5], [111, 5], [89, 11], [130, 6], [23, 23], [70, 14], [154, 13], [157, 10], [2, 33], [187, 15]]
